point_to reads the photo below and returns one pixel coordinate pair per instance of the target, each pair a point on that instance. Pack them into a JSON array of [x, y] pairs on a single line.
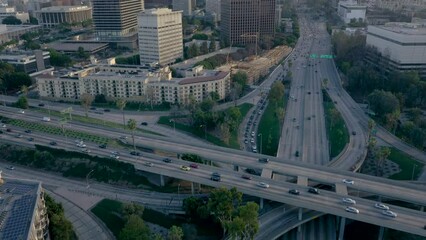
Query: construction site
[[257, 67]]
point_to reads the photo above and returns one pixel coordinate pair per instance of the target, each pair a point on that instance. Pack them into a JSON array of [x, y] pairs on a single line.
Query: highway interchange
[[330, 202]]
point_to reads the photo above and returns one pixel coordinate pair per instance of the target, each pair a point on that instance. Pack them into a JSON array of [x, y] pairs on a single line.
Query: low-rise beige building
[[134, 84]]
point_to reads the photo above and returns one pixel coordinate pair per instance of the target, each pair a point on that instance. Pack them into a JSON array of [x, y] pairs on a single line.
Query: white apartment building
[[134, 84], [348, 10], [160, 36], [403, 45], [183, 5]]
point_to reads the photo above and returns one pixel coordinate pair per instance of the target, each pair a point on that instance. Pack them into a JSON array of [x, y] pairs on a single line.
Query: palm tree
[[131, 124], [121, 104], [86, 100]]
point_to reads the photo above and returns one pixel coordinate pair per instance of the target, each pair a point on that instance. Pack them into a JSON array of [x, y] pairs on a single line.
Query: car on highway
[[30, 139], [245, 141], [348, 200], [28, 131], [11, 167], [185, 168], [381, 206], [263, 160], [294, 191], [114, 156], [389, 213], [144, 124], [103, 146], [167, 160], [252, 140], [348, 181], [263, 185], [193, 165], [353, 133], [215, 177], [135, 153], [85, 150], [18, 135], [107, 110], [352, 210], [3, 125], [252, 133], [313, 190], [245, 176], [81, 145], [115, 153], [254, 150], [21, 111], [9, 130]]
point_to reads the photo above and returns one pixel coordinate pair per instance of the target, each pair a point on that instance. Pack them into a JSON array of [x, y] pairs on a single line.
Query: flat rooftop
[[73, 46], [404, 28], [18, 200]]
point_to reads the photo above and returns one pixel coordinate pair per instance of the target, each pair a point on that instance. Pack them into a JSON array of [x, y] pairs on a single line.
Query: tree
[[81, 53], [193, 50], [277, 92], [212, 45], [204, 49], [129, 209], [175, 233], [240, 77], [131, 124], [86, 100], [33, 21], [223, 203], [134, 229], [58, 59], [382, 102], [121, 104], [246, 224], [15, 80], [11, 20], [22, 102]]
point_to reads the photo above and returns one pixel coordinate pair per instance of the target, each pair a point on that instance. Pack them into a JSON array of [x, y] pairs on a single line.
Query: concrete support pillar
[[342, 228], [299, 217], [299, 232], [192, 188], [381, 232], [161, 180], [261, 203]]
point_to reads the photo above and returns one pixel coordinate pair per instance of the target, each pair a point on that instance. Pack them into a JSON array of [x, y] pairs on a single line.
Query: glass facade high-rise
[[116, 18], [247, 21]]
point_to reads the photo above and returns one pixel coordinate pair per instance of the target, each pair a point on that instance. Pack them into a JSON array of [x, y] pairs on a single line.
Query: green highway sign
[[326, 56]]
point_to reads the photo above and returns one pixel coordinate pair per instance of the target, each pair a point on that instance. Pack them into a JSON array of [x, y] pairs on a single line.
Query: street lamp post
[[412, 174], [87, 178], [261, 138], [174, 125]]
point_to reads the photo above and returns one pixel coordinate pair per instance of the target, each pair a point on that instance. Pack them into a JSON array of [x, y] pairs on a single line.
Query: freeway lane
[[385, 187], [329, 202]]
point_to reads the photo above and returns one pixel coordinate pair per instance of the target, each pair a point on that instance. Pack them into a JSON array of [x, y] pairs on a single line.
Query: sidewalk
[[86, 225]]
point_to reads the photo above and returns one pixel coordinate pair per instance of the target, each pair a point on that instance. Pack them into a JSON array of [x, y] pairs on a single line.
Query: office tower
[[114, 19], [157, 3], [183, 5], [247, 21], [213, 8], [160, 36]]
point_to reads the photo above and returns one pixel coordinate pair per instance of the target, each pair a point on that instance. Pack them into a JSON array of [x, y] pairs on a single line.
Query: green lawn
[[270, 128], [233, 142], [91, 120], [406, 163], [337, 132], [109, 211], [50, 129]]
